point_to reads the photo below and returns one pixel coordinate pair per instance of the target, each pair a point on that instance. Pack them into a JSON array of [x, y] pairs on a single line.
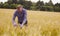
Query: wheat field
[[40, 23]]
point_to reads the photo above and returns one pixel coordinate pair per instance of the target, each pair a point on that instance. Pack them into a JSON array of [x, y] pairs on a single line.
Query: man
[[22, 16]]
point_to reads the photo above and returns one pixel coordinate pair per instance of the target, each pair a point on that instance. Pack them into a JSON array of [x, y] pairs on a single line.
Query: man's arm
[[13, 19], [25, 17]]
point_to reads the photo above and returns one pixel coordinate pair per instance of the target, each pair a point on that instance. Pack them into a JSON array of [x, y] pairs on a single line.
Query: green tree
[[39, 5], [13, 6], [50, 3], [57, 7], [57, 4], [1, 4], [27, 4], [6, 5], [21, 2], [9, 2], [14, 1]]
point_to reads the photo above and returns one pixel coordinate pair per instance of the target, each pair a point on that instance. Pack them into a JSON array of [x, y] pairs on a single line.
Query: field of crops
[[40, 23]]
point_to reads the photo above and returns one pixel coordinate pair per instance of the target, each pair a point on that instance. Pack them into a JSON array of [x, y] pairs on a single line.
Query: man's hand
[[21, 25], [15, 24]]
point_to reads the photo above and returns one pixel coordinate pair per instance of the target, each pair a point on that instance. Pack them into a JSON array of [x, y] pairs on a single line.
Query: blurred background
[[42, 5]]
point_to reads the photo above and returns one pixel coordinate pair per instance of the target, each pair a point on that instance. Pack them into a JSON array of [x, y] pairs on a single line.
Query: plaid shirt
[[22, 17]]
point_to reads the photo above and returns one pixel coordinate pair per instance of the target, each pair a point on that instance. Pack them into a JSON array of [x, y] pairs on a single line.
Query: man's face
[[20, 9]]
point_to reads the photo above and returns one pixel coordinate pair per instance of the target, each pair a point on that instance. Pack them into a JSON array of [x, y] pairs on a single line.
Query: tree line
[[40, 5]]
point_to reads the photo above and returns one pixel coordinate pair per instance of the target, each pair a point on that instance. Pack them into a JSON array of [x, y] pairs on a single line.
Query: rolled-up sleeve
[[25, 17]]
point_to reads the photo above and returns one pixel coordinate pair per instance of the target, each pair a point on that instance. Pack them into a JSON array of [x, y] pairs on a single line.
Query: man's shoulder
[[15, 12], [24, 9]]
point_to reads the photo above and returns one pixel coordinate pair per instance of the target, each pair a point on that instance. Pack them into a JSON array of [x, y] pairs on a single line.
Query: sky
[[54, 1]]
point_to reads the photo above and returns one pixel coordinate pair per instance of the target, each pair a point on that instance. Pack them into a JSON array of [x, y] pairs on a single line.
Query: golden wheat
[[40, 23]]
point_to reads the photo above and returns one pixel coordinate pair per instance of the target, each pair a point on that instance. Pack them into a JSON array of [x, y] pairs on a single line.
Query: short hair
[[19, 6]]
